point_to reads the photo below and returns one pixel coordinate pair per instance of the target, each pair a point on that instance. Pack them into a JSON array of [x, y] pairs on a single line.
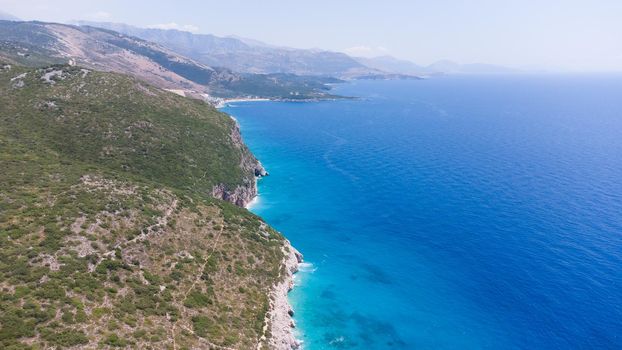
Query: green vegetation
[[147, 132], [109, 236]]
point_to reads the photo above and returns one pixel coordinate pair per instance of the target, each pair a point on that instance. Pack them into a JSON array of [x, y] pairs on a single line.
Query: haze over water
[[451, 213]]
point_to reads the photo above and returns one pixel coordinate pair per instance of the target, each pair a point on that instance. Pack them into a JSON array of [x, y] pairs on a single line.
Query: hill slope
[[37, 43], [243, 55], [109, 231]]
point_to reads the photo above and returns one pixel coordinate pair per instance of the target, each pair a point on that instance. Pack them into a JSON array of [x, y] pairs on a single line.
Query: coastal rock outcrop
[[280, 314], [241, 195], [279, 317]]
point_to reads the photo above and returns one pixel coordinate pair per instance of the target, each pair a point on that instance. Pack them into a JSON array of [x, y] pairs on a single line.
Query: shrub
[[197, 299], [67, 337], [115, 341]]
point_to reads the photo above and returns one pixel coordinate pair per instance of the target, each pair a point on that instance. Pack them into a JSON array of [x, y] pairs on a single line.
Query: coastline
[[279, 319], [221, 103], [278, 322]]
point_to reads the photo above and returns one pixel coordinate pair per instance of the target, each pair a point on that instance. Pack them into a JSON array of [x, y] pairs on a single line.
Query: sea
[[455, 212]]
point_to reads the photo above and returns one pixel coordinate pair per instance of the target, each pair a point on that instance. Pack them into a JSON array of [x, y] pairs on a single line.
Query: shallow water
[[455, 212]]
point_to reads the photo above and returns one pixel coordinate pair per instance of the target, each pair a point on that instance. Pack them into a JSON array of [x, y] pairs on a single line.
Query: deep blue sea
[[456, 212]]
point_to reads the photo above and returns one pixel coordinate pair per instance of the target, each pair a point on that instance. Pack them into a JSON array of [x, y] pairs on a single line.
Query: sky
[[572, 35]]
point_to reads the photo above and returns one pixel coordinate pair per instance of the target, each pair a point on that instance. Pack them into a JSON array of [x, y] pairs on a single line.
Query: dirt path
[[189, 290]]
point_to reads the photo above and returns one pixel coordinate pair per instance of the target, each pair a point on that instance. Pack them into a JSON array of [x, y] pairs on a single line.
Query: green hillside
[[109, 234]]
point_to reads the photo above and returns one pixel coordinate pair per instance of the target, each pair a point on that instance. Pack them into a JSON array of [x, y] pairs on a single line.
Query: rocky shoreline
[[281, 313], [279, 319], [241, 195]]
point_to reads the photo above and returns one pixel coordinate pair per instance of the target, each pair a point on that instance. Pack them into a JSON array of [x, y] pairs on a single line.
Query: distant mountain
[[484, 68], [38, 43], [247, 55], [7, 17], [446, 66], [393, 65], [251, 42]]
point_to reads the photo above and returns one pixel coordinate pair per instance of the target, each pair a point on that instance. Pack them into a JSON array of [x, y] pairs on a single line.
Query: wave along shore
[[278, 319], [280, 315]]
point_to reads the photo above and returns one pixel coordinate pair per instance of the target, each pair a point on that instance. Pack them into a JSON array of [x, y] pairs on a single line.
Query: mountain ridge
[[399, 66], [247, 55], [41, 43], [254, 56]]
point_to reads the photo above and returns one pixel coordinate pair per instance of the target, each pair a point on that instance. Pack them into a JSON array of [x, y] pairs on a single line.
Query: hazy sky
[[554, 34]]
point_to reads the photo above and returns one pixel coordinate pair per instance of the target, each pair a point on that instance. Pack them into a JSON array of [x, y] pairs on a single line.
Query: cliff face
[[279, 317], [281, 313], [241, 195]]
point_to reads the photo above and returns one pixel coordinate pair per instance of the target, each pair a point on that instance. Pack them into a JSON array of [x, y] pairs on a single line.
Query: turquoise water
[[450, 213]]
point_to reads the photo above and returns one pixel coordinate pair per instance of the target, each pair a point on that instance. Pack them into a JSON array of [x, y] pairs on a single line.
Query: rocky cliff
[[241, 195]]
